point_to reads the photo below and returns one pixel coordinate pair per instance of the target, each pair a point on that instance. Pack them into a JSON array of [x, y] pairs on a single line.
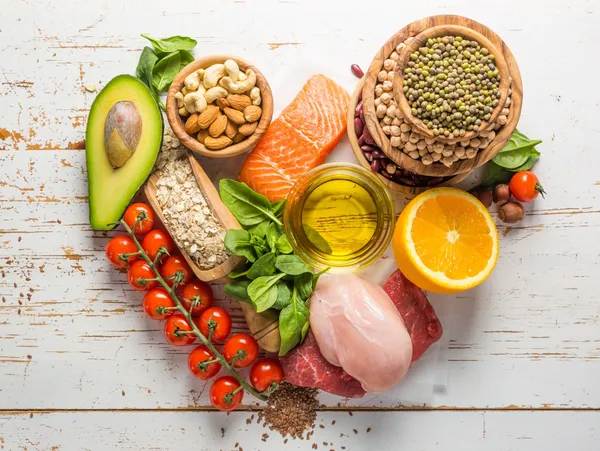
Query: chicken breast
[[357, 327]]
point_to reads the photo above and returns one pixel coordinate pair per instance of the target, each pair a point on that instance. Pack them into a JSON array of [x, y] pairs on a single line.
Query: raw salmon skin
[[299, 139]]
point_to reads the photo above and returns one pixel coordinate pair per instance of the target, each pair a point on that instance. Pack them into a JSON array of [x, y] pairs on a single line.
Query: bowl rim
[[177, 124]]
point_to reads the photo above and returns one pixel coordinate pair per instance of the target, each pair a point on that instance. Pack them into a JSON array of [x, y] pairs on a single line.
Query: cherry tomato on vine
[[217, 320], [264, 373], [196, 296], [175, 270], [240, 350], [226, 393], [178, 332], [158, 304], [525, 186], [202, 363], [139, 217], [156, 241], [141, 276], [120, 251]]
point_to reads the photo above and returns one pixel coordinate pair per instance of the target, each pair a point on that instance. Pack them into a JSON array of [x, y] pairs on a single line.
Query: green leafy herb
[[237, 241], [272, 235], [283, 245], [238, 272], [517, 152], [171, 44], [259, 229], [284, 296], [143, 71], [304, 285], [238, 289], [263, 291], [249, 207], [293, 324], [263, 266], [277, 207], [165, 70], [292, 265]]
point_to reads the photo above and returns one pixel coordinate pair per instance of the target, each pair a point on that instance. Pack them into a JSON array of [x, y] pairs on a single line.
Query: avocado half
[[123, 137]]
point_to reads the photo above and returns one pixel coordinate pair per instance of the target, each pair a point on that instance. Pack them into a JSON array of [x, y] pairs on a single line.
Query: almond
[[248, 129], [252, 113], [208, 116], [230, 130], [217, 143], [201, 136], [222, 102], [191, 125], [235, 116], [239, 137], [239, 101], [217, 128]]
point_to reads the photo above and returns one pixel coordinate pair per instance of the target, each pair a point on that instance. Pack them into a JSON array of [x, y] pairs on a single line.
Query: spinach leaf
[[146, 63], [259, 244], [263, 291], [284, 295], [259, 229], [249, 207], [237, 241], [186, 58], [171, 44], [272, 236], [238, 289], [304, 284], [519, 141], [277, 207], [283, 244], [529, 163], [513, 159], [293, 324], [517, 152], [263, 266], [291, 265], [494, 175], [238, 272], [317, 239], [165, 70]]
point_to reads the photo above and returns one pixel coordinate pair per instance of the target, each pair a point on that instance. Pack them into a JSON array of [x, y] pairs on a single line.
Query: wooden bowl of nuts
[[219, 106], [424, 151]]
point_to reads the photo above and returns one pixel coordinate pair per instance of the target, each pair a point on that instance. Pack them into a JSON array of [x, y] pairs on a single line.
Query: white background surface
[[518, 367]]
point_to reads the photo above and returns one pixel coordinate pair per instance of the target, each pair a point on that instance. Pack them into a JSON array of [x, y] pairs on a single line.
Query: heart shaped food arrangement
[[289, 239]]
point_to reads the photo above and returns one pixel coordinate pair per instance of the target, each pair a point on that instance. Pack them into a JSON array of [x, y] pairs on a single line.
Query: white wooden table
[[81, 367]]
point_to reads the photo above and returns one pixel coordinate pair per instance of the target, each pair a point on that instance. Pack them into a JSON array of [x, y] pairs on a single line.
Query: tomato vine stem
[[188, 316]]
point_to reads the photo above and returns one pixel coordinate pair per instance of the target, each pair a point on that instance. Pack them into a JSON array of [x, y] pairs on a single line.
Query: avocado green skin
[[111, 190]]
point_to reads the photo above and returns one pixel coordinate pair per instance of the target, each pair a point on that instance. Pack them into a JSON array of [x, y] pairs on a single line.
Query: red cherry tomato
[[141, 276], [215, 320], [177, 331], [120, 251], [203, 363], [175, 270], [264, 373], [158, 304], [157, 241], [139, 217], [525, 186], [240, 350], [226, 393], [196, 296]]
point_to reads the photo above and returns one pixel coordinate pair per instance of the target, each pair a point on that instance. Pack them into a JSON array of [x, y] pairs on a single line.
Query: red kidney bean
[[358, 109], [368, 156], [357, 71], [378, 154], [368, 139], [361, 140], [367, 148], [358, 126], [375, 166]]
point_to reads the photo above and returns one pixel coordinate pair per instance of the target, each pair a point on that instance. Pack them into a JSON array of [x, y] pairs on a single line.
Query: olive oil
[[339, 215]]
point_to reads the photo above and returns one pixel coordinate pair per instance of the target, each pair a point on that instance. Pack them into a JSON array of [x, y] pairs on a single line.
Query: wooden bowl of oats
[[189, 206], [219, 106]]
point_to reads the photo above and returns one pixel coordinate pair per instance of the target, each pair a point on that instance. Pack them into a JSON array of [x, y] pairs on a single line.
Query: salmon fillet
[[299, 139]]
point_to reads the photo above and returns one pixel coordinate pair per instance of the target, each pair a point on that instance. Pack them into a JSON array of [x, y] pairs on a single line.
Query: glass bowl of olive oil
[[339, 215]]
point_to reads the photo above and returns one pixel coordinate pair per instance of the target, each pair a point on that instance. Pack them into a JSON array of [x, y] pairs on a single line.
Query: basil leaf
[[237, 241], [249, 207], [317, 239], [263, 266], [291, 265], [238, 289], [171, 44], [283, 244], [165, 70], [284, 296], [263, 291], [293, 324], [494, 174]]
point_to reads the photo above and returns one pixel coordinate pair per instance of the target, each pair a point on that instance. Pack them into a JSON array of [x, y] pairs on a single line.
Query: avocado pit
[[122, 131]]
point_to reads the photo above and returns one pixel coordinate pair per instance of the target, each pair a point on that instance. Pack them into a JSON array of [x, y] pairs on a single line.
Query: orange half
[[445, 241]]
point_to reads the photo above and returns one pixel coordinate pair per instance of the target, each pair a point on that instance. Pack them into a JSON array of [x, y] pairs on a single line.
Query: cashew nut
[[212, 75], [239, 87], [241, 76], [183, 112], [194, 102], [179, 98], [215, 93], [232, 69], [192, 81], [255, 96]]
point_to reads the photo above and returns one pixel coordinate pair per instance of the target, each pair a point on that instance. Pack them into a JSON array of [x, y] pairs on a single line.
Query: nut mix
[[221, 104], [424, 148]]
